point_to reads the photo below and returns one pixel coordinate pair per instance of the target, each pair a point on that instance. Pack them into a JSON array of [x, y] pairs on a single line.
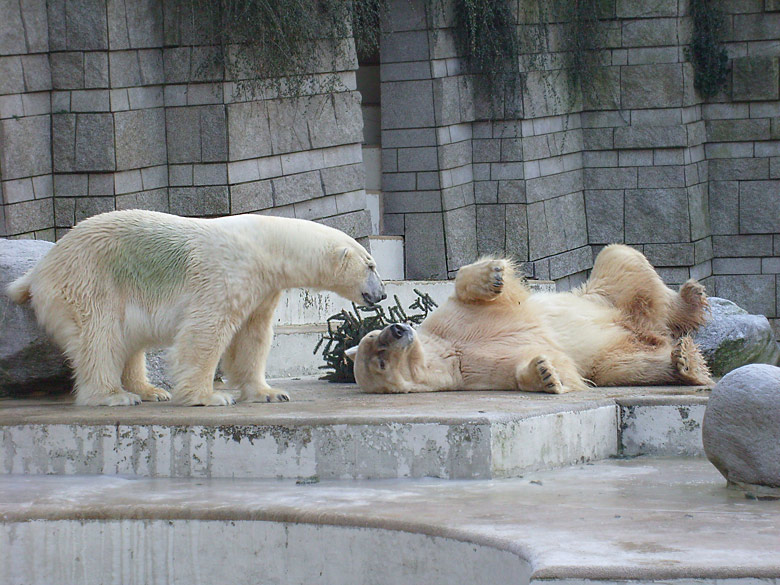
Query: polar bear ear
[[351, 352]]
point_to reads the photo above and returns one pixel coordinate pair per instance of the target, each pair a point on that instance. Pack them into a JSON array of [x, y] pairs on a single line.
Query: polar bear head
[[355, 276], [389, 361]]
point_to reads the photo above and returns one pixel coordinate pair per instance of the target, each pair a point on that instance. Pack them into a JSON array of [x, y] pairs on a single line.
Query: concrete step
[[614, 522], [388, 251], [335, 431], [307, 307]]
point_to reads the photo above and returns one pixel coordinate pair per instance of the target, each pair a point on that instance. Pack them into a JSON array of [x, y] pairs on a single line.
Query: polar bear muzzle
[[374, 289]]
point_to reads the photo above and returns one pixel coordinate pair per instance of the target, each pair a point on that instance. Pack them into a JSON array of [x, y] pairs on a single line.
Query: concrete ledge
[[645, 519], [334, 431]]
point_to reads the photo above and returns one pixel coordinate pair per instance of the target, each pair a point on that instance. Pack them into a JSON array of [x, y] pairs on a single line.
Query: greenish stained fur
[[150, 261]]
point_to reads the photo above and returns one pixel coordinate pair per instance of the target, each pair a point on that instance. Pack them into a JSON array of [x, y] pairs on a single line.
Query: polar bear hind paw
[[269, 395], [215, 398], [690, 364], [219, 398], [151, 393], [114, 398], [694, 293]]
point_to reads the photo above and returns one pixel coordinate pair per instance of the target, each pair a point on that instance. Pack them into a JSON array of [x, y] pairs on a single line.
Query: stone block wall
[[26, 189], [632, 154], [743, 150], [112, 104]]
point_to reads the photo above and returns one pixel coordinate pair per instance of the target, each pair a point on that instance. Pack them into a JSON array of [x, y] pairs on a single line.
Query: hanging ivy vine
[[297, 47], [486, 35], [281, 44], [706, 52]]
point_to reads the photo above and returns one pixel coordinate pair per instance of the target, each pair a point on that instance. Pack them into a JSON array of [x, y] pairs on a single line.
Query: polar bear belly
[[146, 327], [584, 329]]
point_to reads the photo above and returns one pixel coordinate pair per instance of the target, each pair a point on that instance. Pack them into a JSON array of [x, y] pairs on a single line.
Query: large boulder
[[29, 361], [741, 429], [732, 338]]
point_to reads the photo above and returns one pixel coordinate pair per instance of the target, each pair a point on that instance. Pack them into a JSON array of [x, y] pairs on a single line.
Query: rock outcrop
[[733, 338], [740, 432], [29, 361]]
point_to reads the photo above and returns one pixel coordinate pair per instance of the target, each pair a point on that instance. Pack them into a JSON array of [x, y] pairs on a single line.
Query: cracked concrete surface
[[639, 519]]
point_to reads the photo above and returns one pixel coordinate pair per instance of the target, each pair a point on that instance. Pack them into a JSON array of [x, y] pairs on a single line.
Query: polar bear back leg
[[98, 361], [689, 308], [625, 278], [86, 330], [134, 379], [632, 363]]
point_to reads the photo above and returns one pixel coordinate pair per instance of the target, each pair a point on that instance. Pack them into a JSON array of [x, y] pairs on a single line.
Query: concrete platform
[[335, 431], [641, 520]]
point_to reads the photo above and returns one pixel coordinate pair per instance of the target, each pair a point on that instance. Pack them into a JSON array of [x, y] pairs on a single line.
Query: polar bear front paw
[[117, 398], [267, 395], [548, 378], [151, 393], [482, 281]]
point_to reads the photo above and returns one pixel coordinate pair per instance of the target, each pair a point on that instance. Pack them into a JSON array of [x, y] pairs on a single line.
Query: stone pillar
[[82, 123], [427, 110], [646, 175], [26, 190]]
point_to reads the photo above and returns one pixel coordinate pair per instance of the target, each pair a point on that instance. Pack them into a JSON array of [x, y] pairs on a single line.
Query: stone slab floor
[[311, 398], [189, 495], [645, 519]]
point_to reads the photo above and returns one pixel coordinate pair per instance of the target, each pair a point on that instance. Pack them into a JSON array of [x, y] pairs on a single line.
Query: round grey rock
[[29, 361], [741, 428], [732, 338]]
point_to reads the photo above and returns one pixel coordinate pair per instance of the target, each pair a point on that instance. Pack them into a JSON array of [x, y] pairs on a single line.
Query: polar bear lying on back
[[121, 282], [624, 326]]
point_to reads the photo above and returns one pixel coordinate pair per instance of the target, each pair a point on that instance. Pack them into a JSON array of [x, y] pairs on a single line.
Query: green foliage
[[346, 329], [486, 34], [564, 40], [582, 35], [282, 44], [367, 25], [706, 52]]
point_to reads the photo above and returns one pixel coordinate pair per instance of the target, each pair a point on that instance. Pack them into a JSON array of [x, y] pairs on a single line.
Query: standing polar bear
[[624, 326], [125, 281]]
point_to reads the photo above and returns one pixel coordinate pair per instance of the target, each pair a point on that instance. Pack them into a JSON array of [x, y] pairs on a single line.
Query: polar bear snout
[[398, 335], [373, 289]]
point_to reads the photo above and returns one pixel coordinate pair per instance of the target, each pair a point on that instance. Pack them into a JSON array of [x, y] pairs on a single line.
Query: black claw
[[547, 377], [268, 398], [284, 398]]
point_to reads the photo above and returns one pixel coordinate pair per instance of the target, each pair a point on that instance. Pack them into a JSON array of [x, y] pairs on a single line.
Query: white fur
[[623, 326], [125, 281]]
